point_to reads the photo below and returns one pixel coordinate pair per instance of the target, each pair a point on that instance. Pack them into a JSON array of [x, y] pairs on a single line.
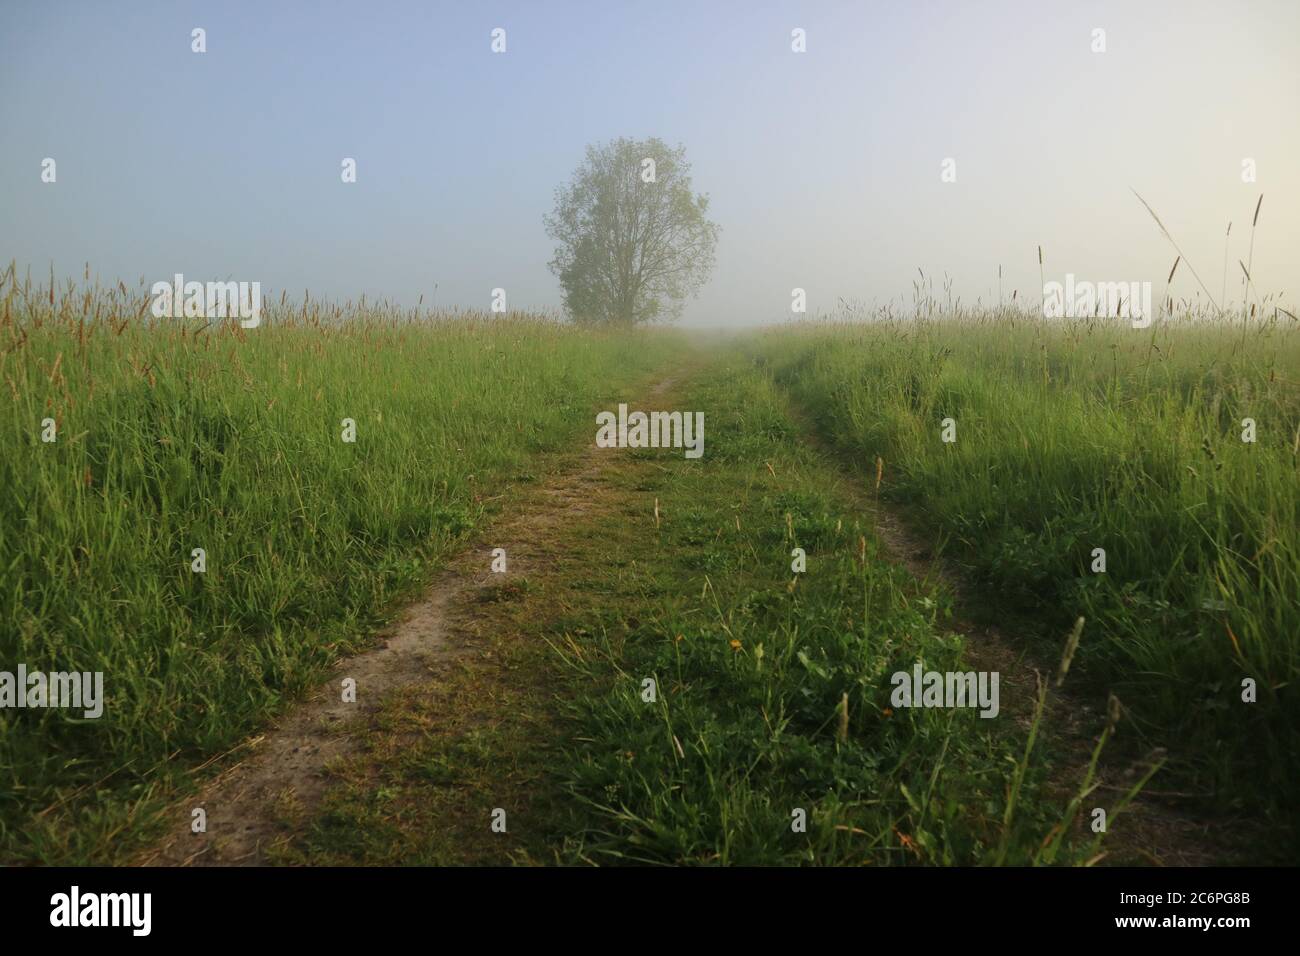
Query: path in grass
[[520, 699], [770, 687], [422, 679]]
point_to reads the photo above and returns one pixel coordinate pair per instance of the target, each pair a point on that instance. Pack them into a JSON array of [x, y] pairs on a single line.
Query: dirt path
[[285, 772], [436, 676]]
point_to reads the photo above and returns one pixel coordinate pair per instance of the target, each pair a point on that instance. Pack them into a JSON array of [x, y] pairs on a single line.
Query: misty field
[[171, 437], [1174, 450], [773, 687]]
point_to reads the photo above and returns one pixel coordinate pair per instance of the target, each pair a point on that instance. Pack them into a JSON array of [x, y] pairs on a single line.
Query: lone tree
[[632, 238]]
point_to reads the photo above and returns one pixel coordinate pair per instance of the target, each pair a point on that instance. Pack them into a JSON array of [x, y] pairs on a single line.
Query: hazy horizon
[[823, 167]]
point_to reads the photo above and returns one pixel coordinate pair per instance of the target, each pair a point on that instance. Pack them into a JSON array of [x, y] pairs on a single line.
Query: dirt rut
[[285, 771]]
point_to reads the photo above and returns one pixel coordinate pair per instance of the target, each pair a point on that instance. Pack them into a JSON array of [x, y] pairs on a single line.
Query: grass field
[[172, 437], [772, 686], [1077, 435]]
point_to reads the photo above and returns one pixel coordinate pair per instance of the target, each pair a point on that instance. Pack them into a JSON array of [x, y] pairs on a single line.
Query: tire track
[[284, 772]]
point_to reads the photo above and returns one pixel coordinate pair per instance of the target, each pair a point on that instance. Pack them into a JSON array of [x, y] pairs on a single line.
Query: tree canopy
[[633, 239]]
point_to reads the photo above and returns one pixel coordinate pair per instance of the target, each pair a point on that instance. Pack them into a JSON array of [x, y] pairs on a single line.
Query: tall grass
[[1084, 434], [180, 434]]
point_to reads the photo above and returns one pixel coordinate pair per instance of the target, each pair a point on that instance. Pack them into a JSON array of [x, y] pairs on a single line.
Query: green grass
[[173, 437], [1075, 435], [773, 694], [753, 671]]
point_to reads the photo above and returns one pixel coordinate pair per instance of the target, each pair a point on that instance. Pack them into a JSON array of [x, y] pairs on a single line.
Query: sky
[[824, 168]]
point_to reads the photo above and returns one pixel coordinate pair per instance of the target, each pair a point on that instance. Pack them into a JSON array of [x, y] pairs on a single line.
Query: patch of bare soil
[[283, 773]]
